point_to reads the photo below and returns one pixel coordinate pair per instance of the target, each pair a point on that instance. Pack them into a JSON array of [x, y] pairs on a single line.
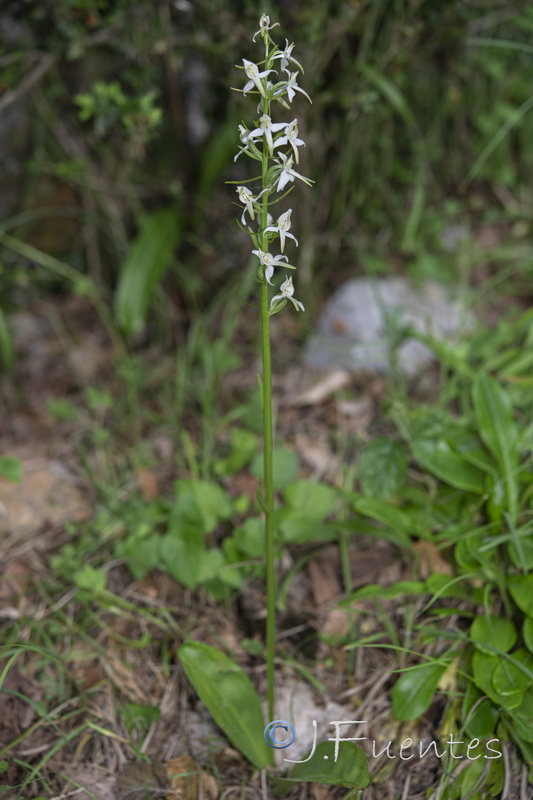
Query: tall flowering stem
[[275, 146]]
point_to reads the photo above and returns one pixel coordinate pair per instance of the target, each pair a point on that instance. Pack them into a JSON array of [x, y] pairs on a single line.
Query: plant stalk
[[268, 499], [268, 444]]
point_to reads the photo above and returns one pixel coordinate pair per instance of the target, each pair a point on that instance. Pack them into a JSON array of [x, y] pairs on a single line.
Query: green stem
[[268, 498], [268, 442]]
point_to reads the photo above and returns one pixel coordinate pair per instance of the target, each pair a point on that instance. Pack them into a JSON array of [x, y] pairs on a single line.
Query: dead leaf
[[134, 781], [188, 782], [95, 779], [357, 416], [380, 565], [336, 623], [123, 678], [431, 560], [14, 578], [147, 483], [323, 576], [332, 382], [318, 456]]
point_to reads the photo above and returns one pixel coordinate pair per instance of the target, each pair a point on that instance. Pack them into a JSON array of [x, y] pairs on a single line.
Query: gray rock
[[364, 316]]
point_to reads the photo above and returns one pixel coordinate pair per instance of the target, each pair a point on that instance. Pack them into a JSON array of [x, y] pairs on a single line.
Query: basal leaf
[[230, 698]]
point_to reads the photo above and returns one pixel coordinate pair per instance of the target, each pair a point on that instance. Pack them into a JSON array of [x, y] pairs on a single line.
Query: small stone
[[363, 316]]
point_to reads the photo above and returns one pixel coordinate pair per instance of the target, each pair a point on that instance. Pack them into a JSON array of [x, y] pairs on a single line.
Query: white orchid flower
[[283, 228], [244, 136], [248, 200], [251, 71], [264, 26], [267, 128], [293, 87], [288, 174], [286, 57], [287, 293], [291, 137], [270, 261]]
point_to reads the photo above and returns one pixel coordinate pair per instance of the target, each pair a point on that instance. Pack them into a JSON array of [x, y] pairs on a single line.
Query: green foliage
[[107, 106], [349, 770], [413, 692], [382, 468], [148, 258], [11, 468], [477, 462]]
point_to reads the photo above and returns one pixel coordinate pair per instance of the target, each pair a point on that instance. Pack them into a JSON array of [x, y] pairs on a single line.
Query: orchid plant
[[275, 145]]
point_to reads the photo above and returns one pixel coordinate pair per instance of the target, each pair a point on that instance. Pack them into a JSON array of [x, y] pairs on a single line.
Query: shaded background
[[419, 137]]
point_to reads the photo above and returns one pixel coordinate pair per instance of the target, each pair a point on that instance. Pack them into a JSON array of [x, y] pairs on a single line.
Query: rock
[[47, 494], [296, 703], [357, 324]]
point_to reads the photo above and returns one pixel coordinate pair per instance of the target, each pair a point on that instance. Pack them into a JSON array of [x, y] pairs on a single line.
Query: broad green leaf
[[528, 633], [521, 588], [148, 258], [88, 577], [413, 692], [210, 565], [11, 468], [296, 527], [468, 445], [492, 634], [230, 698], [200, 505], [477, 782], [181, 553], [244, 448], [483, 669], [382, 468], [232, 575], [141, 553], [480, 713], [250, 537], [499, 431], [350, 769], [514, 674], [522, 717], [285, 467], [314, 499], [138, 717], [437, 457]]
